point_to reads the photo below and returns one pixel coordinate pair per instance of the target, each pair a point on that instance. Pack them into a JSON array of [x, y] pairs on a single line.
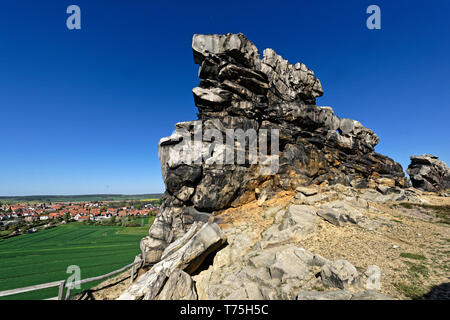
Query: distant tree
[[67, 217]]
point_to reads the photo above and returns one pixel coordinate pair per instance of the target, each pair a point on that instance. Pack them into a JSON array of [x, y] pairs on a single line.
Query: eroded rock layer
[[239, 90], [428, 173]]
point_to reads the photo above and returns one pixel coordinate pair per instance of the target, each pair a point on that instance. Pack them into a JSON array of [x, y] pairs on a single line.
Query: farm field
[[79, 198], [44, 256]]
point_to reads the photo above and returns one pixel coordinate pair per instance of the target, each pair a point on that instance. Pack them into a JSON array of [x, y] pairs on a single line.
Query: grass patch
[[406, 205], [441, 212], [316, 288], [415, 270], [4, 233], [413, 256], [44, 256], [414, 289], [411, 290]]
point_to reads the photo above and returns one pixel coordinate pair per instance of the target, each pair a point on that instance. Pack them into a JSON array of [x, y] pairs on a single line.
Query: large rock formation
[[428, 173], [179, 261], [239, 90]]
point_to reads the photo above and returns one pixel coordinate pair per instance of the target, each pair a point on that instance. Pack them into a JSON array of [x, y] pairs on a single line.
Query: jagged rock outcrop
[[428, 173], [239, 90], [265, 255], [187, 254]]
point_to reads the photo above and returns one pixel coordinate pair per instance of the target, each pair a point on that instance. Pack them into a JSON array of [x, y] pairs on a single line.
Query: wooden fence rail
[[62, 283]]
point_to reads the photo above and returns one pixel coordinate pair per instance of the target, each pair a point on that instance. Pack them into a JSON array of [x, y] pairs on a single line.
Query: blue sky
[[82, 111]]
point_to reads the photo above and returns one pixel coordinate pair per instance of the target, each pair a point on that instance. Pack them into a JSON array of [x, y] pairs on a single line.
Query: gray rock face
[[187, 255], [179, 286], [369, 295], [324, 295], [339, 213], [270, 263], [269, 273], [240, 90], [297, 222], [340, 274], [373, 281], [428, 173], [341, 295]]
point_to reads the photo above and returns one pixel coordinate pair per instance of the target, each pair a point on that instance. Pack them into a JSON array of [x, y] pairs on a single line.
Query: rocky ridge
[[239, 90], [258, 251], [206, 244]]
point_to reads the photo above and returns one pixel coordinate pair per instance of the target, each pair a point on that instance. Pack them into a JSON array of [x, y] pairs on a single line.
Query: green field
[[44, 256], [78, 198]]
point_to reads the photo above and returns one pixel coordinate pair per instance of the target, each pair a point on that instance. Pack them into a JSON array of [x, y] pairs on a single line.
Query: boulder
[[309, 190], [340, 213], [298, 222], [340, 274], [179, 286], [208, 239], [373, 281], [287, 265], [152, 249], [428, 173]]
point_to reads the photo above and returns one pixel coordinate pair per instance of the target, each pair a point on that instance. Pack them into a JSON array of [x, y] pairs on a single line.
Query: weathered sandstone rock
[[188, 258], [428, 173], [373, 281], [179, 286], [340, 274], [341, 295], [240, 90]]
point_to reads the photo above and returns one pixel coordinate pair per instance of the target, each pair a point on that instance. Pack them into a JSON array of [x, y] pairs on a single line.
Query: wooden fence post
[[61, 289], [61, 284], [68, 292]]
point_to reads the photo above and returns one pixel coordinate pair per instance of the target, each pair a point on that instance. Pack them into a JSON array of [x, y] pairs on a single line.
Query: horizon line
[[81, 194]]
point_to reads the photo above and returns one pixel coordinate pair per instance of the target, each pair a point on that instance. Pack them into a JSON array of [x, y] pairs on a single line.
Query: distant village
[[75, 211]]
